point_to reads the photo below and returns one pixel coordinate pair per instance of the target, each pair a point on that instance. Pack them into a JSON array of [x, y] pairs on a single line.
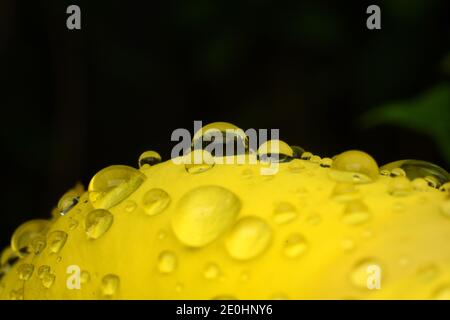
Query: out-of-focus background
[[73, 102]]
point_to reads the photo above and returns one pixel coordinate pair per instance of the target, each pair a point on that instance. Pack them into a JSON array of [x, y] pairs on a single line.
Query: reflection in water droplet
[[275, 151], [97, 223], [167, 262], [249, 238], [149, 158], [359, 275], [56, 240], [420, 169], [295, 246], [356, 162], [203, 214], [112, 185], [155, 201], [198, 161], [356, 213], [25, 233], [68, 201], [211, 271], [284, 213], [110, 285], [25, 271]]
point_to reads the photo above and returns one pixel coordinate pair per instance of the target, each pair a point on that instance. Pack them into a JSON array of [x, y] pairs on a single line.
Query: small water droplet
[[445, 187], [275, 151], [48, 280], [284, 213], [442, 293], [315, 159], [385, 172], [97, 223], [400, 187], [149, 158], [56, 240], [211, 272], [72, 224], [110, 285], [356, 213], [247, 174], [295, 246], [25, 271], [37, 245], [59, 259], [25, 233], [112, 185], [155, 201], [397, 172], [420, 184], [359, 275], [420, 169], [130, 206], [361, 166], [167, 262], [306, 155], [203, 214], [43, 270], [85, 276], [344, 192], [198, 161], [326, 163], [249, 238]]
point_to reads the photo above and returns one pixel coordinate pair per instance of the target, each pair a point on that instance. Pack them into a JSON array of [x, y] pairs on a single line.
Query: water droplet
[[130, 206], [167, 262], [56, 240], [347, 244], [203, 214], [397, 172], [306, 155], [445, 208], [295, 246], [155, 201], [48, 280], [275, 151], [420, 169], [297, 152], [72, 224], [221, 138], [356, 213], [326, 163], [420, 184], [442, 293], [385, 172], [43, 270], [59, 259], [211, 271], [247, 174], [360, 275], [362, 168], [198, 161], [110, 285], [97, 223], [112, 185], [400, 187], [8, 257], [344, 192], [37, 245], [25, 271], [85, 276], [445, 187], [25, 233], [149, 158], [249, 238], [315, 159], [284, 213]]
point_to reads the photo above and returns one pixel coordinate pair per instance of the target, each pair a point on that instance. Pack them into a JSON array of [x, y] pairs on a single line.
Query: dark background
[[73, 102]]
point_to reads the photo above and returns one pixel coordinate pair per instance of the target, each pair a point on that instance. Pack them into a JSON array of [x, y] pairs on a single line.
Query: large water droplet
[[420, 169], [360, 273], [275, 151], [356, 213], [249, 238], [149, 158], [97, 223], [295, 246], [25, 233], [25, 271], [220, 139], [355, 167], [284, 213], [167, 262], [155, 201], [113, 184], [110, 285], [203, 214], [56, 240]]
